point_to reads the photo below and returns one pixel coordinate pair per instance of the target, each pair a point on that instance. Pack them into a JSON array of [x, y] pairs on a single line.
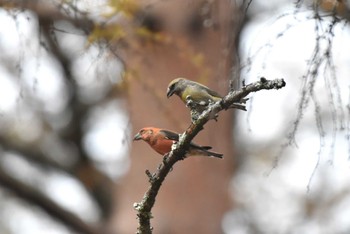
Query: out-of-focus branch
[[95, 181], [32, 154], [48, 10], [145, 206], [47, 13], [98, 184], [30, 195]]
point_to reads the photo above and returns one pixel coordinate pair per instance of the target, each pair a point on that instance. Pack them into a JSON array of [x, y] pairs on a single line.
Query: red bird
[[161, 141]]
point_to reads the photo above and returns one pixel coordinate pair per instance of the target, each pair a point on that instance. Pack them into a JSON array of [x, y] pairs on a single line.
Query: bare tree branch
[[145, 206]]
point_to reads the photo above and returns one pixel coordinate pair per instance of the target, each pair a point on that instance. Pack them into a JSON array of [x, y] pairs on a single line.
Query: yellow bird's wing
[[200, 93]]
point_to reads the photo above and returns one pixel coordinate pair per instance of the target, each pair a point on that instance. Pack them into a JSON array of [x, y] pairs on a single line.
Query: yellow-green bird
[[195, 95]]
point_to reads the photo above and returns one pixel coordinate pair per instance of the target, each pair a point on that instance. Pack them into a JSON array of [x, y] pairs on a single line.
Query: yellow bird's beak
[[169, 92]]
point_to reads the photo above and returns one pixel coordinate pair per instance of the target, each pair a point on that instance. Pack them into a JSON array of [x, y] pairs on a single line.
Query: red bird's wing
[[193, 148], [170, 135]]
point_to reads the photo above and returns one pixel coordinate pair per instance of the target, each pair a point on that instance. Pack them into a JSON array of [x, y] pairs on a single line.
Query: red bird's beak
[[137, 137]]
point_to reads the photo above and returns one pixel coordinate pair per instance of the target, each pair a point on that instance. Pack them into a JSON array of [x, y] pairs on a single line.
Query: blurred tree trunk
[[195, 195]]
